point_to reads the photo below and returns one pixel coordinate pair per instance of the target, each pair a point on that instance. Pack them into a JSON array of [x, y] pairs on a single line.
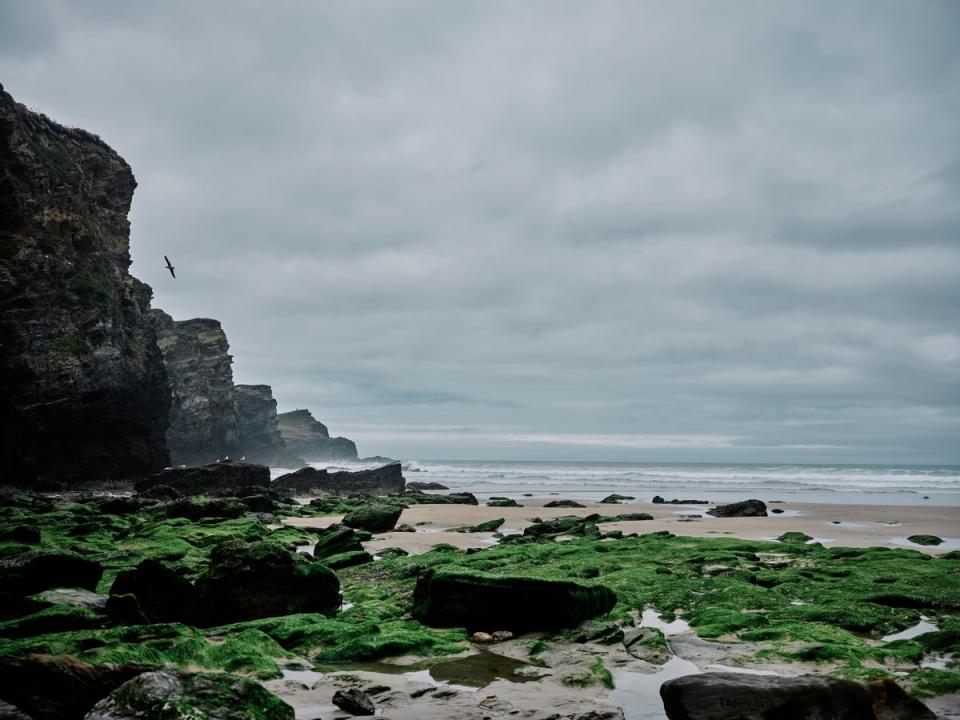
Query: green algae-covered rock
[[170, 695], [336, 539], [347, 559], [925, 540], [375, 518], [247, 581], [476, 600], [503, 502], [794, 536], [488, 526]]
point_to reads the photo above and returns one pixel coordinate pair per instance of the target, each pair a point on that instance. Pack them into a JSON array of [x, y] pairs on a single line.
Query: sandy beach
[[831, 524]]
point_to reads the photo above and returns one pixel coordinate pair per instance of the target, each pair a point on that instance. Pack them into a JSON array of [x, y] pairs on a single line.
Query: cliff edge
[[83, 392]]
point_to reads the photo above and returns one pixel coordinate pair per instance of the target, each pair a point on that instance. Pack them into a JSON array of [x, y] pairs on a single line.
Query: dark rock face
[[658, 500], [235, 478], [387, 480], [204, 425], [457, 498], [173, 695], [260, 435], [309, 439], [83, 392], [33, 571], [745, 508], [59, 687], [354, 702], [426, 486], [247, 581], [473, 600], [374, 518], [737, 696]]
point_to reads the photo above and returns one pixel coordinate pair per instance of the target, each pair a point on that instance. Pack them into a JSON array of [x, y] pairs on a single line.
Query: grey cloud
[[535, 220]]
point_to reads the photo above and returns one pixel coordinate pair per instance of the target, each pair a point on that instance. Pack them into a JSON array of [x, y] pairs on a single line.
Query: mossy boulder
[[928, 540], [794, 537], [347, 559], [160, 594], [556, 526], [503, 502], [247, 581], [336, 539], [374, 518], [488, 526], [564, 504], [744, 508], [449, 598], [168, 695]]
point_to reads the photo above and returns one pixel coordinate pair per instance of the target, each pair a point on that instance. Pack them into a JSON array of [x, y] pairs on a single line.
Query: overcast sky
[[598, 230]]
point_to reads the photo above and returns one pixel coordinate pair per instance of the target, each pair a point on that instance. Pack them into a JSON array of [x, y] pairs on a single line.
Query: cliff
[[260, 435], [203, 415], [310, 439], [83, 394]]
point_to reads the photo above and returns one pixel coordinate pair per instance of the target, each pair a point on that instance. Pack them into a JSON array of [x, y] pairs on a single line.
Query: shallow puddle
[[479, 670]]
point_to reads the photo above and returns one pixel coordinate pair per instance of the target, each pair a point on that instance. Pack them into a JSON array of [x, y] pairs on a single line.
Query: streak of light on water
[[639, 693], [924, 626]]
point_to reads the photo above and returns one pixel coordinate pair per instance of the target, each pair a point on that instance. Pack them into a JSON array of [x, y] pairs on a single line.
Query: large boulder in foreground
[[34, 571], [309, 438], [477, 601], [745, 508], [248, 581], [83, 392], [59, 687], [234, 478], [172, 695], [386, 480], [739, 696]]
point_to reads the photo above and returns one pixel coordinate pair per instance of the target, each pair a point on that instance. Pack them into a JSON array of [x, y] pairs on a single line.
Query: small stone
[[502, 635], [481, 637], [354, 702]]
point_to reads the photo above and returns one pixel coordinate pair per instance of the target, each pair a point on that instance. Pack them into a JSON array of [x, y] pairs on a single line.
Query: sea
[[857, 484]]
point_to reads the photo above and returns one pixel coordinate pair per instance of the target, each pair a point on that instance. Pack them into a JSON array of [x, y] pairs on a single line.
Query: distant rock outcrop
[[232, 478], [309, 438], [260, 435], [386, 480], [83, 393], [204, 425]]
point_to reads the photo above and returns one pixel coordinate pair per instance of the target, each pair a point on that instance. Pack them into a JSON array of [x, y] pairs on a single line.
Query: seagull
[[170, 267]]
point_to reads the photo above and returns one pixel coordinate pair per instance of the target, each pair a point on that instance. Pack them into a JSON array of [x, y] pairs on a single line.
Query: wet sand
[[832, 524]]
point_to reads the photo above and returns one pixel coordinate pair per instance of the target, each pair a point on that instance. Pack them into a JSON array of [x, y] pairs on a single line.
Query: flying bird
[[170, 267]]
